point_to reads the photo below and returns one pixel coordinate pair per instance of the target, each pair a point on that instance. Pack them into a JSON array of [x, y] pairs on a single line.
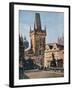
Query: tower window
[[54, 48], [39, 52], [51, 47]]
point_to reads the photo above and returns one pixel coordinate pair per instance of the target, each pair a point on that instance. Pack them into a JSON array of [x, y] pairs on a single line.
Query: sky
[[54, 22]]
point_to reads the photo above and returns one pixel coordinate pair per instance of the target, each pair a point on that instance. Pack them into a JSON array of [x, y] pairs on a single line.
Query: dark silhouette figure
[[53, 62]]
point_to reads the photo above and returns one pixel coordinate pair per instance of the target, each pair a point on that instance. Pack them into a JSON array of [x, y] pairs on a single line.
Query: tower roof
[[37, 22]]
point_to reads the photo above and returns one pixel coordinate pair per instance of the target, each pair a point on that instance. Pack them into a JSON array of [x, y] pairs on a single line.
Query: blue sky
[[54, 22]]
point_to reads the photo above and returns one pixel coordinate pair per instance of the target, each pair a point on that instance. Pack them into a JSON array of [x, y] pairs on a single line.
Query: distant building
[[21, 48], [23, 44], [21, 56], [54, 49], [60, 40], [26, 43]]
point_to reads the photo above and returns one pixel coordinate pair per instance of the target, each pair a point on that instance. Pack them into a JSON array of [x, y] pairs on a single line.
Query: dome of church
[[26, 43]]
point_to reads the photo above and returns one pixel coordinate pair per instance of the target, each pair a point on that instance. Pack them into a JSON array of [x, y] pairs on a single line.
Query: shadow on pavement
[[25, 77]]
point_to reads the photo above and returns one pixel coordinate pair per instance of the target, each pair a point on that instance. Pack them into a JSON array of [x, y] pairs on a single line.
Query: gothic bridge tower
[[38, 38]]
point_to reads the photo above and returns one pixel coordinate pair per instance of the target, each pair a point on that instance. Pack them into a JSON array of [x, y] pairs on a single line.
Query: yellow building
[[56, 50]]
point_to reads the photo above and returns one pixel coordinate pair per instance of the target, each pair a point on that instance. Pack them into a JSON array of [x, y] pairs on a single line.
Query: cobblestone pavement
[[44, 74]]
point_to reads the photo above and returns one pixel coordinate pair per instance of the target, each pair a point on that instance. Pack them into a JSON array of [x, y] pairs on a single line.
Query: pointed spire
[[30, 28], [21, 37], [37, 22], [34, 26], [45, 28], [25, 38], [19, 33], [31, 44]]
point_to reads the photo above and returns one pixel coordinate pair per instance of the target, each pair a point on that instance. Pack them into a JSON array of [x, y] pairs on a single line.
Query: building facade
[[54, 51]]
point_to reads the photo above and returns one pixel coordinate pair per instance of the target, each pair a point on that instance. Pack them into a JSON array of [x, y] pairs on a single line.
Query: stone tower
[[38, 38]]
